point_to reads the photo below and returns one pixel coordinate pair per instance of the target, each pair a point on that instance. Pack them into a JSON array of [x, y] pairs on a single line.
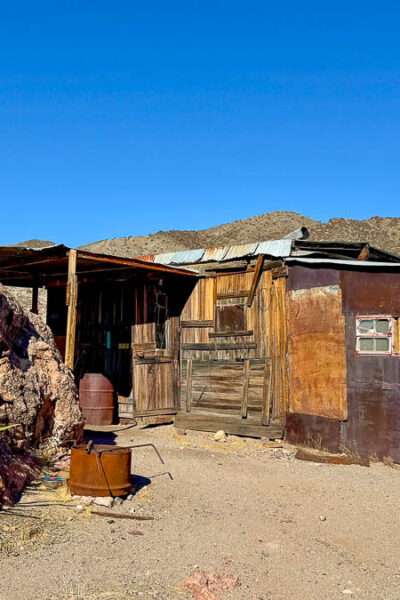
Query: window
[[374, 335], [230, 318]]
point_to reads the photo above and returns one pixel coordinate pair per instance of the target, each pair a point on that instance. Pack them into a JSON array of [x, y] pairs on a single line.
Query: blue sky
[[122, 118]]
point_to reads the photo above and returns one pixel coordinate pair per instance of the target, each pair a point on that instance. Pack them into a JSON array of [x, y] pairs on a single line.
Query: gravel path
[[286, 528]]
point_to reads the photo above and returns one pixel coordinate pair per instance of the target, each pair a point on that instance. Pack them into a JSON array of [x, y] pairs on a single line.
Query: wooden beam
[[231, 425], [194, 324], [256, 279], [35, 300], [134, 264], [72, 303]]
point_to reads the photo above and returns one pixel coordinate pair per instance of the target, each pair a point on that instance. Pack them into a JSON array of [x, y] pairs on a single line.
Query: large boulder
[[37, 391]]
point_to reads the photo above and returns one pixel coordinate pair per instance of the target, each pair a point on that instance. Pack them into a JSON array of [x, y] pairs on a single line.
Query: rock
[[220, 436], [37, 393], [105, 501], [118, 501], [322, 518]]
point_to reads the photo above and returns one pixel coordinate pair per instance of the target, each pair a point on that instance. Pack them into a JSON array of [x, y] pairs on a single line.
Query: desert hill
[[383, 232]]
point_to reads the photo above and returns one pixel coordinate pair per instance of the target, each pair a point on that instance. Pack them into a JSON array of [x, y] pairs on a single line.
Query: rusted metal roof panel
[[214, 254], [276, 248], [240, 250]]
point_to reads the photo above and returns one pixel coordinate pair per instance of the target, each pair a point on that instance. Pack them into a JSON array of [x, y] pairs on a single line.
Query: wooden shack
[[301, 337], [286, 337], [110, 315]]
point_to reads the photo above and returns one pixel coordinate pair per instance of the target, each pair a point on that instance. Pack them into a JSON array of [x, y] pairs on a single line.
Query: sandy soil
[[286, 528]]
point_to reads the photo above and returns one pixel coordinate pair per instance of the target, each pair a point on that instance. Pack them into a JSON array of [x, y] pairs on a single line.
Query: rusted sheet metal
[[305, 277], [373, 426], [317, 361], [240, 250], [214, 254], [371, 293], [276, 248], [147, 257], [313, 431]]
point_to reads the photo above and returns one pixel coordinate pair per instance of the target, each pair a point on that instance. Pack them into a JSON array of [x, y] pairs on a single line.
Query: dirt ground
[[285, 528]]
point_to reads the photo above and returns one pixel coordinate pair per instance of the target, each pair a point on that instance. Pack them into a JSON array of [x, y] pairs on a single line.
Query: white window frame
[[388, 335]]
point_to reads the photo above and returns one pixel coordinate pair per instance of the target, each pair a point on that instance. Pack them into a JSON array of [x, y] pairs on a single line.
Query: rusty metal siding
[[316, 352], [317, 432], [304, 278], [373, 381], [370, 293], [372, 427]]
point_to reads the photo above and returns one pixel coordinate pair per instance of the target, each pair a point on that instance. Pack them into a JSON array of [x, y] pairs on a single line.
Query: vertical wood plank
[[72, 303], [189, 385], [267, 394], [243, 411]]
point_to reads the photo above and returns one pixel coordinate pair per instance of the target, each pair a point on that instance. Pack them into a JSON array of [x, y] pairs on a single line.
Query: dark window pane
[[230, 318]]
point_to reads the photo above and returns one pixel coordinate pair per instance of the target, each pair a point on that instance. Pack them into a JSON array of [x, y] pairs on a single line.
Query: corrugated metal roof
[[187, 256], [164, 258], [276, 248], [240, 250], [214, 254]]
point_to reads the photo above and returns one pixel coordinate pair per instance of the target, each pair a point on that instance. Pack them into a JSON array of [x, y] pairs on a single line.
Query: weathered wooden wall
[[233, 350], [372, 425]]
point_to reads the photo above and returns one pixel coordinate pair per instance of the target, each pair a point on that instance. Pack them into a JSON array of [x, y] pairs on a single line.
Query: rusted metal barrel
[[96, 398], [103, 470]]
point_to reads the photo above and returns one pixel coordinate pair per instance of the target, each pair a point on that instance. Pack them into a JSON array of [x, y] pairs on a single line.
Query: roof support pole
[[72, 303], [35, 300]]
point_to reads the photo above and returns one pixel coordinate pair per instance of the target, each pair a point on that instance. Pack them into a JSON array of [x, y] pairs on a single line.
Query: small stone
[[79, 507], [220, 436], [322, 518], [130, 497], [105, 501], [118, 501]]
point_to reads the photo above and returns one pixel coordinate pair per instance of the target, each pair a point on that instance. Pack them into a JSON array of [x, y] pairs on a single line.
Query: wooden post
[[256, 279], [35, 300], [72, 303]]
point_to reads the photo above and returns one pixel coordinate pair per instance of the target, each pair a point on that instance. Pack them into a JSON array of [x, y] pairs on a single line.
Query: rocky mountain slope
[[383, 232]]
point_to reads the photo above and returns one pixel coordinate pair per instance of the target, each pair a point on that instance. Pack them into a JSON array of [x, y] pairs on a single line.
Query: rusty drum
[[102, 470], [96, 399]]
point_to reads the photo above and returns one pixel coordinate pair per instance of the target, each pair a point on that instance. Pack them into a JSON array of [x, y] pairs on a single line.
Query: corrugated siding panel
[[240, 250], [214, 254], [187, 256], [277, 248]]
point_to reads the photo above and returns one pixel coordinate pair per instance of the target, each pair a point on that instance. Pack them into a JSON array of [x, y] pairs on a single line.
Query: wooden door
[[155, 343]]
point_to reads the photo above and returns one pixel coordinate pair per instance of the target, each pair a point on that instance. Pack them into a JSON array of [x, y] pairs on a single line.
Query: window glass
[[382, 344], [374, 334], [366, 325], [382, 326], [367, 344]]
